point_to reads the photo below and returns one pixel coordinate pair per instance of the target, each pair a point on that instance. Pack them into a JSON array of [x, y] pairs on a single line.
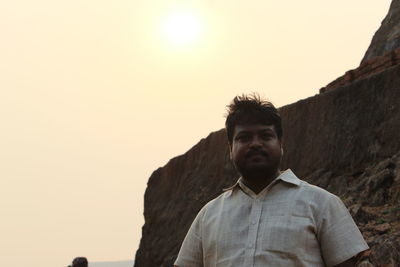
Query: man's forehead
[[254, 128]]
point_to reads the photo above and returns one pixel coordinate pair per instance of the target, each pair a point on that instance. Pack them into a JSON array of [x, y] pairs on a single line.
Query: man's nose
[[255, 142]]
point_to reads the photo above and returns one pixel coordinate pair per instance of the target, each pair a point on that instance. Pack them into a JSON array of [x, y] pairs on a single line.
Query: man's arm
[[349, 263], [339, 236], [361, 257], [191, 252]]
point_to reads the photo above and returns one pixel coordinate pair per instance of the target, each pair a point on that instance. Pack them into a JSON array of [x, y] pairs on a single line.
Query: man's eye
[[242, 138], [266, 136]]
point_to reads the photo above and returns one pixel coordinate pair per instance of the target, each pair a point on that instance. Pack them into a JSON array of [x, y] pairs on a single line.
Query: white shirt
[[289, 223]]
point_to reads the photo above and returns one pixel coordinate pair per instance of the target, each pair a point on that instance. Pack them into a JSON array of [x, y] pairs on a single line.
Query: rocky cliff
[[345, 140], [176, 192], [387, 38]]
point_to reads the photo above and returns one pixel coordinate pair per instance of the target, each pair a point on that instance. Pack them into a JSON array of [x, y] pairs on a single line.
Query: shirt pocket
[[287, 234]]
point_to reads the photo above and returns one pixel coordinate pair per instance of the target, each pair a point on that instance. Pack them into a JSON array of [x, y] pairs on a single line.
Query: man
[[268, 218]]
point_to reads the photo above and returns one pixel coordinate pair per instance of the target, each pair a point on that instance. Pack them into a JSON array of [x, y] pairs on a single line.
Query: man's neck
[[258, 182]]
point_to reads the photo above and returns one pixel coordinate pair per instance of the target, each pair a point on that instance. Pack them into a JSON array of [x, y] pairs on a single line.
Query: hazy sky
[[94, 96]]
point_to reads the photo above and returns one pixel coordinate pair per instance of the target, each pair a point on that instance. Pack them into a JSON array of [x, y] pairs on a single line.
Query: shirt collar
[[287, 176]]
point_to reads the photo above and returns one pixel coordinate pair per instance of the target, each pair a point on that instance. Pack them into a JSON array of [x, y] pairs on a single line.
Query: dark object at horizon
[[80, 262]]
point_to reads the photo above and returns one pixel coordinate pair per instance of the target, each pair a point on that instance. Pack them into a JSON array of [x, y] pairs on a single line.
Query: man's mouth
[[256, 153]]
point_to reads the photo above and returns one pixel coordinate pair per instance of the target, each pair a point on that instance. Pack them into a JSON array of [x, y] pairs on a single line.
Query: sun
[[182, 28]]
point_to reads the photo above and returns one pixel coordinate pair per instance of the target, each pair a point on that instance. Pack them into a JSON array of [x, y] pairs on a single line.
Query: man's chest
[[249, 232]]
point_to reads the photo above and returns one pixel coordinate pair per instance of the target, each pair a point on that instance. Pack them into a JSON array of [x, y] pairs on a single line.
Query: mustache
[[256, 151]]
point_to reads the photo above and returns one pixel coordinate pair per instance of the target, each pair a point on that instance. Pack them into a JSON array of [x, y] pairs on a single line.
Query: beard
[[268, 167], [259, 170]]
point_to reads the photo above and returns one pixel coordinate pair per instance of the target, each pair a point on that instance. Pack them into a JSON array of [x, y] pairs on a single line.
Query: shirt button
[[250, 245], [253, 222]]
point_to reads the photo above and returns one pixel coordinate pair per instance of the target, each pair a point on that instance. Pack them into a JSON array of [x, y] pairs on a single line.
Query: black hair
[[251, 109]]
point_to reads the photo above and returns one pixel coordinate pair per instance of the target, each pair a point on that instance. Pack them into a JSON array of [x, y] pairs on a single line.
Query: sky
[[96, 95]]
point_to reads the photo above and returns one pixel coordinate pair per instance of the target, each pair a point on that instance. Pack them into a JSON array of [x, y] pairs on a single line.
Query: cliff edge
[[387, 38], [345, 140]]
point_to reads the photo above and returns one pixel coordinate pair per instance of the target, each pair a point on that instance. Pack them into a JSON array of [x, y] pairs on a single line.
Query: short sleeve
[[339, 237], [191, 252]]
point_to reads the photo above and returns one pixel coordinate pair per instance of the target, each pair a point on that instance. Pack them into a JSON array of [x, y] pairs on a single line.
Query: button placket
[[254, 221]]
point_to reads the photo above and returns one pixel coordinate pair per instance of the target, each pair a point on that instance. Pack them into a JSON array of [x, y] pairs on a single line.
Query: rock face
[[345, 140], [387, 38], [176, 192], [366, 69]]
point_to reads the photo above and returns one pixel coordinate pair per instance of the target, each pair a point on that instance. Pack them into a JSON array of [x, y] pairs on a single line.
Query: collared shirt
[[289, 223]]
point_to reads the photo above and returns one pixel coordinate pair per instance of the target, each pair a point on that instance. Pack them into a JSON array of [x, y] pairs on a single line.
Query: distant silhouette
[[79, 262]]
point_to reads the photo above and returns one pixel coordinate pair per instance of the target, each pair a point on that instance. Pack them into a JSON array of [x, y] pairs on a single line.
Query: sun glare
[[182, 28]]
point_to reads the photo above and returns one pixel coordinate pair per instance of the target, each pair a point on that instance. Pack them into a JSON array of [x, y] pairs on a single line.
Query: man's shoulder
[[215, 205], [218, 200], [306, 188], [315, 191], [290, 177]]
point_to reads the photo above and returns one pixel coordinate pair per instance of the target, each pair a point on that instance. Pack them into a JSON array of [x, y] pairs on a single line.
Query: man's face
[[256, 149]]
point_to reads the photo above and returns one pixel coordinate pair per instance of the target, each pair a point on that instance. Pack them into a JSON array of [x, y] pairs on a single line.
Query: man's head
[[251, 109], [254, 130]]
